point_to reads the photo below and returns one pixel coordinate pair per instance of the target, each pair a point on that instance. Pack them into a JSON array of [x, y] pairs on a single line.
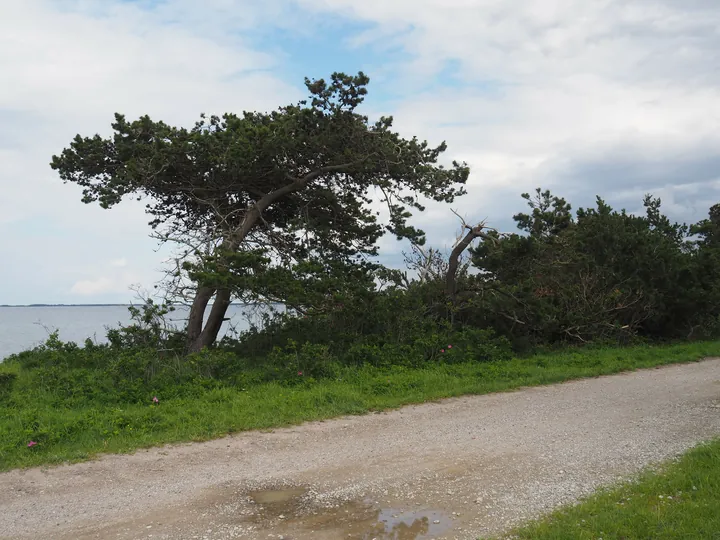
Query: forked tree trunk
[[196, 317], [454, 260], [212, 327], [199, 337]]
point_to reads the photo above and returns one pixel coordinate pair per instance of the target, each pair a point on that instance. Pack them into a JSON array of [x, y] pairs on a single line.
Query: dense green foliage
[[75, 402], [278, 207], [271, 205], [601, 274], [679, 500]]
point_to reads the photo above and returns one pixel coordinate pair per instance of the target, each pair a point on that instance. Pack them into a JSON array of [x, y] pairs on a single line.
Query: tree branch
[[460, 246]]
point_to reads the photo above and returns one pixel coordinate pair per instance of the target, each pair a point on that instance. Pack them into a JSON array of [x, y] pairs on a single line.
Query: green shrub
[[7, 381], [441, 346], [70, 386], [293, 364], [216, 364], [482, 345], [148, 330], [386, 355]]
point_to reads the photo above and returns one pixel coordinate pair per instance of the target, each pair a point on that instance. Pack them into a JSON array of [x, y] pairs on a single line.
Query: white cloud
[[553, 92], [585, 97], [127, 60], [91, 287], [68, 66], [119, 281], [119, 262]]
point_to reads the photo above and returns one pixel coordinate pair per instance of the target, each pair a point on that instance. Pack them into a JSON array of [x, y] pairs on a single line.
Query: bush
[[7, 381], [386, 355], [216, 364], [467, 345], [293, 364], [72, 376], [483, 345], [149, 330]]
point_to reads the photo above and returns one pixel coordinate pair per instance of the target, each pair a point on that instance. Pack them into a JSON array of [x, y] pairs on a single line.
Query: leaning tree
[[247, 196]]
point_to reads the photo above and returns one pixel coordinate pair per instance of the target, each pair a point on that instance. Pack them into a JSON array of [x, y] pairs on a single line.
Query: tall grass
[[71, 428]]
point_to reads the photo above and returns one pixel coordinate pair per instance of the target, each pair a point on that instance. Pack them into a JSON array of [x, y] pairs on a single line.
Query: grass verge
[[679, 500], [78, 433]]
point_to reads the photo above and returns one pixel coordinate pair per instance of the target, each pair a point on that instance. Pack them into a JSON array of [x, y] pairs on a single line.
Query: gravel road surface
[[453, 469]]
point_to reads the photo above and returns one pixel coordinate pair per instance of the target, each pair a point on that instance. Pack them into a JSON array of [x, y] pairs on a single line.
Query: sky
[[615, 98]]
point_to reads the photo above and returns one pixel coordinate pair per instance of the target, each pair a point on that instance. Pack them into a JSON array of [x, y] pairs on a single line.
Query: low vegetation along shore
[[60, 403]]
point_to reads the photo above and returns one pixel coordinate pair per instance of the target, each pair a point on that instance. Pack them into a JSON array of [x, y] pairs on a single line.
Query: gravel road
[[453, 469]]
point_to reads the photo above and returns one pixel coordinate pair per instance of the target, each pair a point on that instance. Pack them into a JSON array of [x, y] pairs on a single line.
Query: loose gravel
[[454, 469]]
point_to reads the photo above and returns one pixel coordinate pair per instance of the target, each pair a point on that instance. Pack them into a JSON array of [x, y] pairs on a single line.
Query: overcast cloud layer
[[585, 97]]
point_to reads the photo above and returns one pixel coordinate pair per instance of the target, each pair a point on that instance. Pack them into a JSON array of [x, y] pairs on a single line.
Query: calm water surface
[[24, 327]]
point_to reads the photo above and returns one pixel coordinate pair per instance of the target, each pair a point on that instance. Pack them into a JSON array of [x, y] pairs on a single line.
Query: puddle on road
[[277, 497], [285, 511], [390, 524]]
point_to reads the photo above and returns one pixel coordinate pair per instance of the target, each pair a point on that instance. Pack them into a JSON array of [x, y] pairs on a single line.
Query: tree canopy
[[288, 206], [249, 194], [601, 274]]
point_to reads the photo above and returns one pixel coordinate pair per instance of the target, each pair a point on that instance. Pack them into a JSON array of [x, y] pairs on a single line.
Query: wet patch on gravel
[[288, 511]]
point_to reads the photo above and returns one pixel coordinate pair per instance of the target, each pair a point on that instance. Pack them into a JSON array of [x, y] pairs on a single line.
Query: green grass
[[72, 434], [680, 500]]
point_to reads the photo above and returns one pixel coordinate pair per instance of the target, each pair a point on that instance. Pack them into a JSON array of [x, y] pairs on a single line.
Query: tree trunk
[[199, 337], [197, 315], [454, 261], [212, 327]]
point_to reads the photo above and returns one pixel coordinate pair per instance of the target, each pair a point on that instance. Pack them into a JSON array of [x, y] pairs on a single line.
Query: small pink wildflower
[[442, 350], [31, 444], [155, 399], [300, 373], [449, 346]]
